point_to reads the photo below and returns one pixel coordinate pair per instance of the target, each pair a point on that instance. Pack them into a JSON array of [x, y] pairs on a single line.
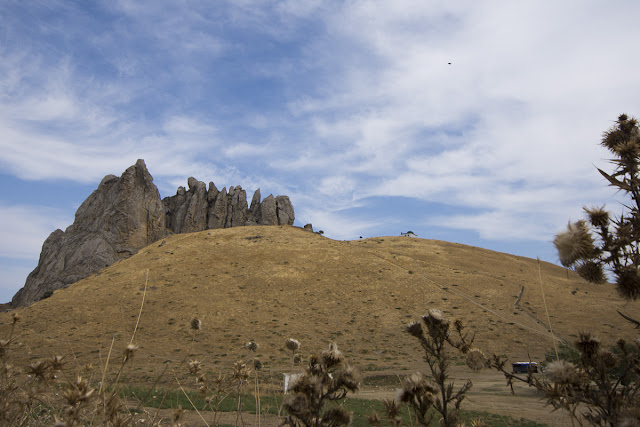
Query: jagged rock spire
[[126, 213]]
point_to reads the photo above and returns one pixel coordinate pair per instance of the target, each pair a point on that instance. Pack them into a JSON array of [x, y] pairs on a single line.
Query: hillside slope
[[268, 283]]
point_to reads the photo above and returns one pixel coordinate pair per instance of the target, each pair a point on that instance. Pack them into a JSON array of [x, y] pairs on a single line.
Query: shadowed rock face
[[126, 214]]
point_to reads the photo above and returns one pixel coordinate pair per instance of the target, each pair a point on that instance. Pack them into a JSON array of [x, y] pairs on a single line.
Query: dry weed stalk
[[25, 395], [30, 397], [38, 396]]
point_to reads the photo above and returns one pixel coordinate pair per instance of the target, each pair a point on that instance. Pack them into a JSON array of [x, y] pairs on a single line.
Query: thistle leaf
[[615, 182]]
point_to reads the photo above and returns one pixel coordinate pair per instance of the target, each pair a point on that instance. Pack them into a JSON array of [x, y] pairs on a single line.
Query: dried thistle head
[[574, 244], [349, 378], [15, 317], [392, 408], [129, 351], [332, 356], [628, 283], [241, 372], [587, 345], [417, 384], [297, 358], [296, 404], [562, 372], [194, 367], [78, 392], [628, 149], [598, 217], [415, 329], [57, 363], [436, 315], [196, 324], [592, 272], [436, 322], [252, 346], [292, 344], [625, 129], [476, 360], [39, 369], [337, 417]]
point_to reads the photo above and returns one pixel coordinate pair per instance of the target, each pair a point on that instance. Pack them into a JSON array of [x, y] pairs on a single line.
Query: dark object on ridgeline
[[125, 214]]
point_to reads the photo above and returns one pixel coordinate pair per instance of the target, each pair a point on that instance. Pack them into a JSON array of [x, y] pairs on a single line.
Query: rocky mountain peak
[[126, 213]]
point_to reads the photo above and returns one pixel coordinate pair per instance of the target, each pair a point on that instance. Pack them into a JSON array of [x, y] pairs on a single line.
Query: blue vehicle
[[524, 367]]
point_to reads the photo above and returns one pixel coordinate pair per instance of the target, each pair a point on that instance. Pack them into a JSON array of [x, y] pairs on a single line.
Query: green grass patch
[[362, 407], [270, 403]]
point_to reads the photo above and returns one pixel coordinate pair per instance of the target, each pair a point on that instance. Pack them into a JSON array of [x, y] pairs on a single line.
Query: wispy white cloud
[[24, 228]]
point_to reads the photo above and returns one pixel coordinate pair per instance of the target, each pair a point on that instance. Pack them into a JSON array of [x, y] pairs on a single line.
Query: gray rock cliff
[[121, 216], [126, 213], [200, 208]]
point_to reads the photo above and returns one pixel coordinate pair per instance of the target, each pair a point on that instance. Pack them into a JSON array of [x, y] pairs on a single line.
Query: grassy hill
[[275, 282]]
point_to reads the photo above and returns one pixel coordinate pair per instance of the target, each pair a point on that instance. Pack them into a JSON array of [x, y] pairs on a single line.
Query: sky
[[475, 122]]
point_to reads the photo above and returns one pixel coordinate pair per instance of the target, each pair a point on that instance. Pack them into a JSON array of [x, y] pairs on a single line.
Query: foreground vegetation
[[593, 384], [48, 392], [270, 404]]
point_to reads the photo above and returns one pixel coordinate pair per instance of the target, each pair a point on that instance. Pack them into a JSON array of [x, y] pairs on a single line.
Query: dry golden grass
[[274, 282]]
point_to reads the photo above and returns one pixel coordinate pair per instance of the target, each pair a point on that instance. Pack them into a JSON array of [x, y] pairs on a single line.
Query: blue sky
[[350, 108]]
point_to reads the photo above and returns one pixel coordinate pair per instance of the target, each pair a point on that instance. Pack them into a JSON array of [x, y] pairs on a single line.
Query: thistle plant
[[24, 394], [35, 394], [604, 382], [327, 378], [422, 392], [604, 242]]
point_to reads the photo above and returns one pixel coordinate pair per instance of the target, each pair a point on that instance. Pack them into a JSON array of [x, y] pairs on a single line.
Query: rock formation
[[125, 214], [198, 209]]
